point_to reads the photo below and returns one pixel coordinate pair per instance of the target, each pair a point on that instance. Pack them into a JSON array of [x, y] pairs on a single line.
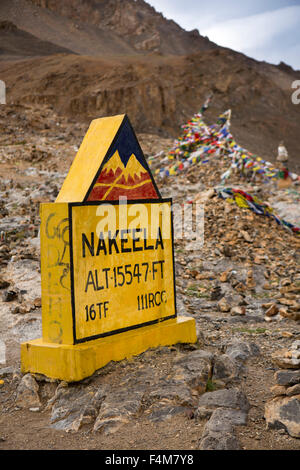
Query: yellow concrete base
[[74, 363]]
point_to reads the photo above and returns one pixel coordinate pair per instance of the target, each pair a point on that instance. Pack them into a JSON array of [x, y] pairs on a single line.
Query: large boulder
[[27, 393], [284, 413]]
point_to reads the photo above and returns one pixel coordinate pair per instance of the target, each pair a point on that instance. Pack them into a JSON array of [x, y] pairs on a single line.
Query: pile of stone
[[287, 302], [283, 411]]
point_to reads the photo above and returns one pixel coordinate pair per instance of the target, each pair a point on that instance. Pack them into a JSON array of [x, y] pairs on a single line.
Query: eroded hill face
[[160, 94], [46, 25], [127, 58], [134, 20], [15, 43]]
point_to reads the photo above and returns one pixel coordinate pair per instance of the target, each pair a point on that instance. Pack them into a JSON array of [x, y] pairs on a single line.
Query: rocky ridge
[[130, 59], [104, 27], [139, 23]]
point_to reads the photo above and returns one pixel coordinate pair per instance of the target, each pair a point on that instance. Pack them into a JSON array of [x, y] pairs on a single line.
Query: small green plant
[[193, 292], [256, 331], [20, 235], [263, 295], [193, 288], [202, 295], [211, 386]]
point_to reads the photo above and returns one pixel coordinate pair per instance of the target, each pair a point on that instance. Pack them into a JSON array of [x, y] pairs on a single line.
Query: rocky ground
[[237, 388]]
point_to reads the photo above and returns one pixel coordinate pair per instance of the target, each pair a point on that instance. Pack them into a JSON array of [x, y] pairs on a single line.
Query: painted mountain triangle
[[109, 164], [116, 179], [124, 171]]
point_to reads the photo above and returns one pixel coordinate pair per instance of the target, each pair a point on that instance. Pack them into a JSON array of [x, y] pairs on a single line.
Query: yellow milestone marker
[[107, 262]]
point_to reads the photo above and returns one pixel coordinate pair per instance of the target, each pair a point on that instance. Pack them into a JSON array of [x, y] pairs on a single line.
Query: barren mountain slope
[[49, 26], [241, 284], [15, 43], [161, 93], [130, 61], [135, 20], [110, 27]]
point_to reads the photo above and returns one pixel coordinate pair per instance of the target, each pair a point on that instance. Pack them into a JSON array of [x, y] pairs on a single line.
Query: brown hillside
[[15, 43], [119, 66], [136, 21], [110, 27], [160, 94], [51, 27]]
